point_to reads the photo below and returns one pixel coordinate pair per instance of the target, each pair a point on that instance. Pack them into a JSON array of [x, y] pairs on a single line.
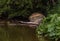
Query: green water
[[17, 33]]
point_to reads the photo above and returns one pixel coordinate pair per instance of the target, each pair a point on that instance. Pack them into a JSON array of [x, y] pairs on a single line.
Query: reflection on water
[[17, 33]]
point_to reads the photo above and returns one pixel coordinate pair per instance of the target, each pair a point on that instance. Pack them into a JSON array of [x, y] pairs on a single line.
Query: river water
[[17, 33]]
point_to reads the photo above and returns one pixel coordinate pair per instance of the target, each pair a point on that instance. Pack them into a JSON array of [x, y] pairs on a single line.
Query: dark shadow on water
[[17, 33]]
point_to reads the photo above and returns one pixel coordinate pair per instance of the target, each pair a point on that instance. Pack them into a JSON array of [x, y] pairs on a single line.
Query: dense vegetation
[[50, 28], [24, 8]]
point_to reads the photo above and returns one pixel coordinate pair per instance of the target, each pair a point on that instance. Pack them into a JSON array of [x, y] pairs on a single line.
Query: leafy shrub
[[24, 7], [50, 27]]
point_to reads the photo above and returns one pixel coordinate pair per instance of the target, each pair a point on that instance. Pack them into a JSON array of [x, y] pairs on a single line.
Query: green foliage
[[3, 5], [24, 7], [50, 27]]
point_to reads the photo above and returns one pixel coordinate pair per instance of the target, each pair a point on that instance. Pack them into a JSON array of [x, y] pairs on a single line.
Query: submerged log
[[35, 19], [18, 24]]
